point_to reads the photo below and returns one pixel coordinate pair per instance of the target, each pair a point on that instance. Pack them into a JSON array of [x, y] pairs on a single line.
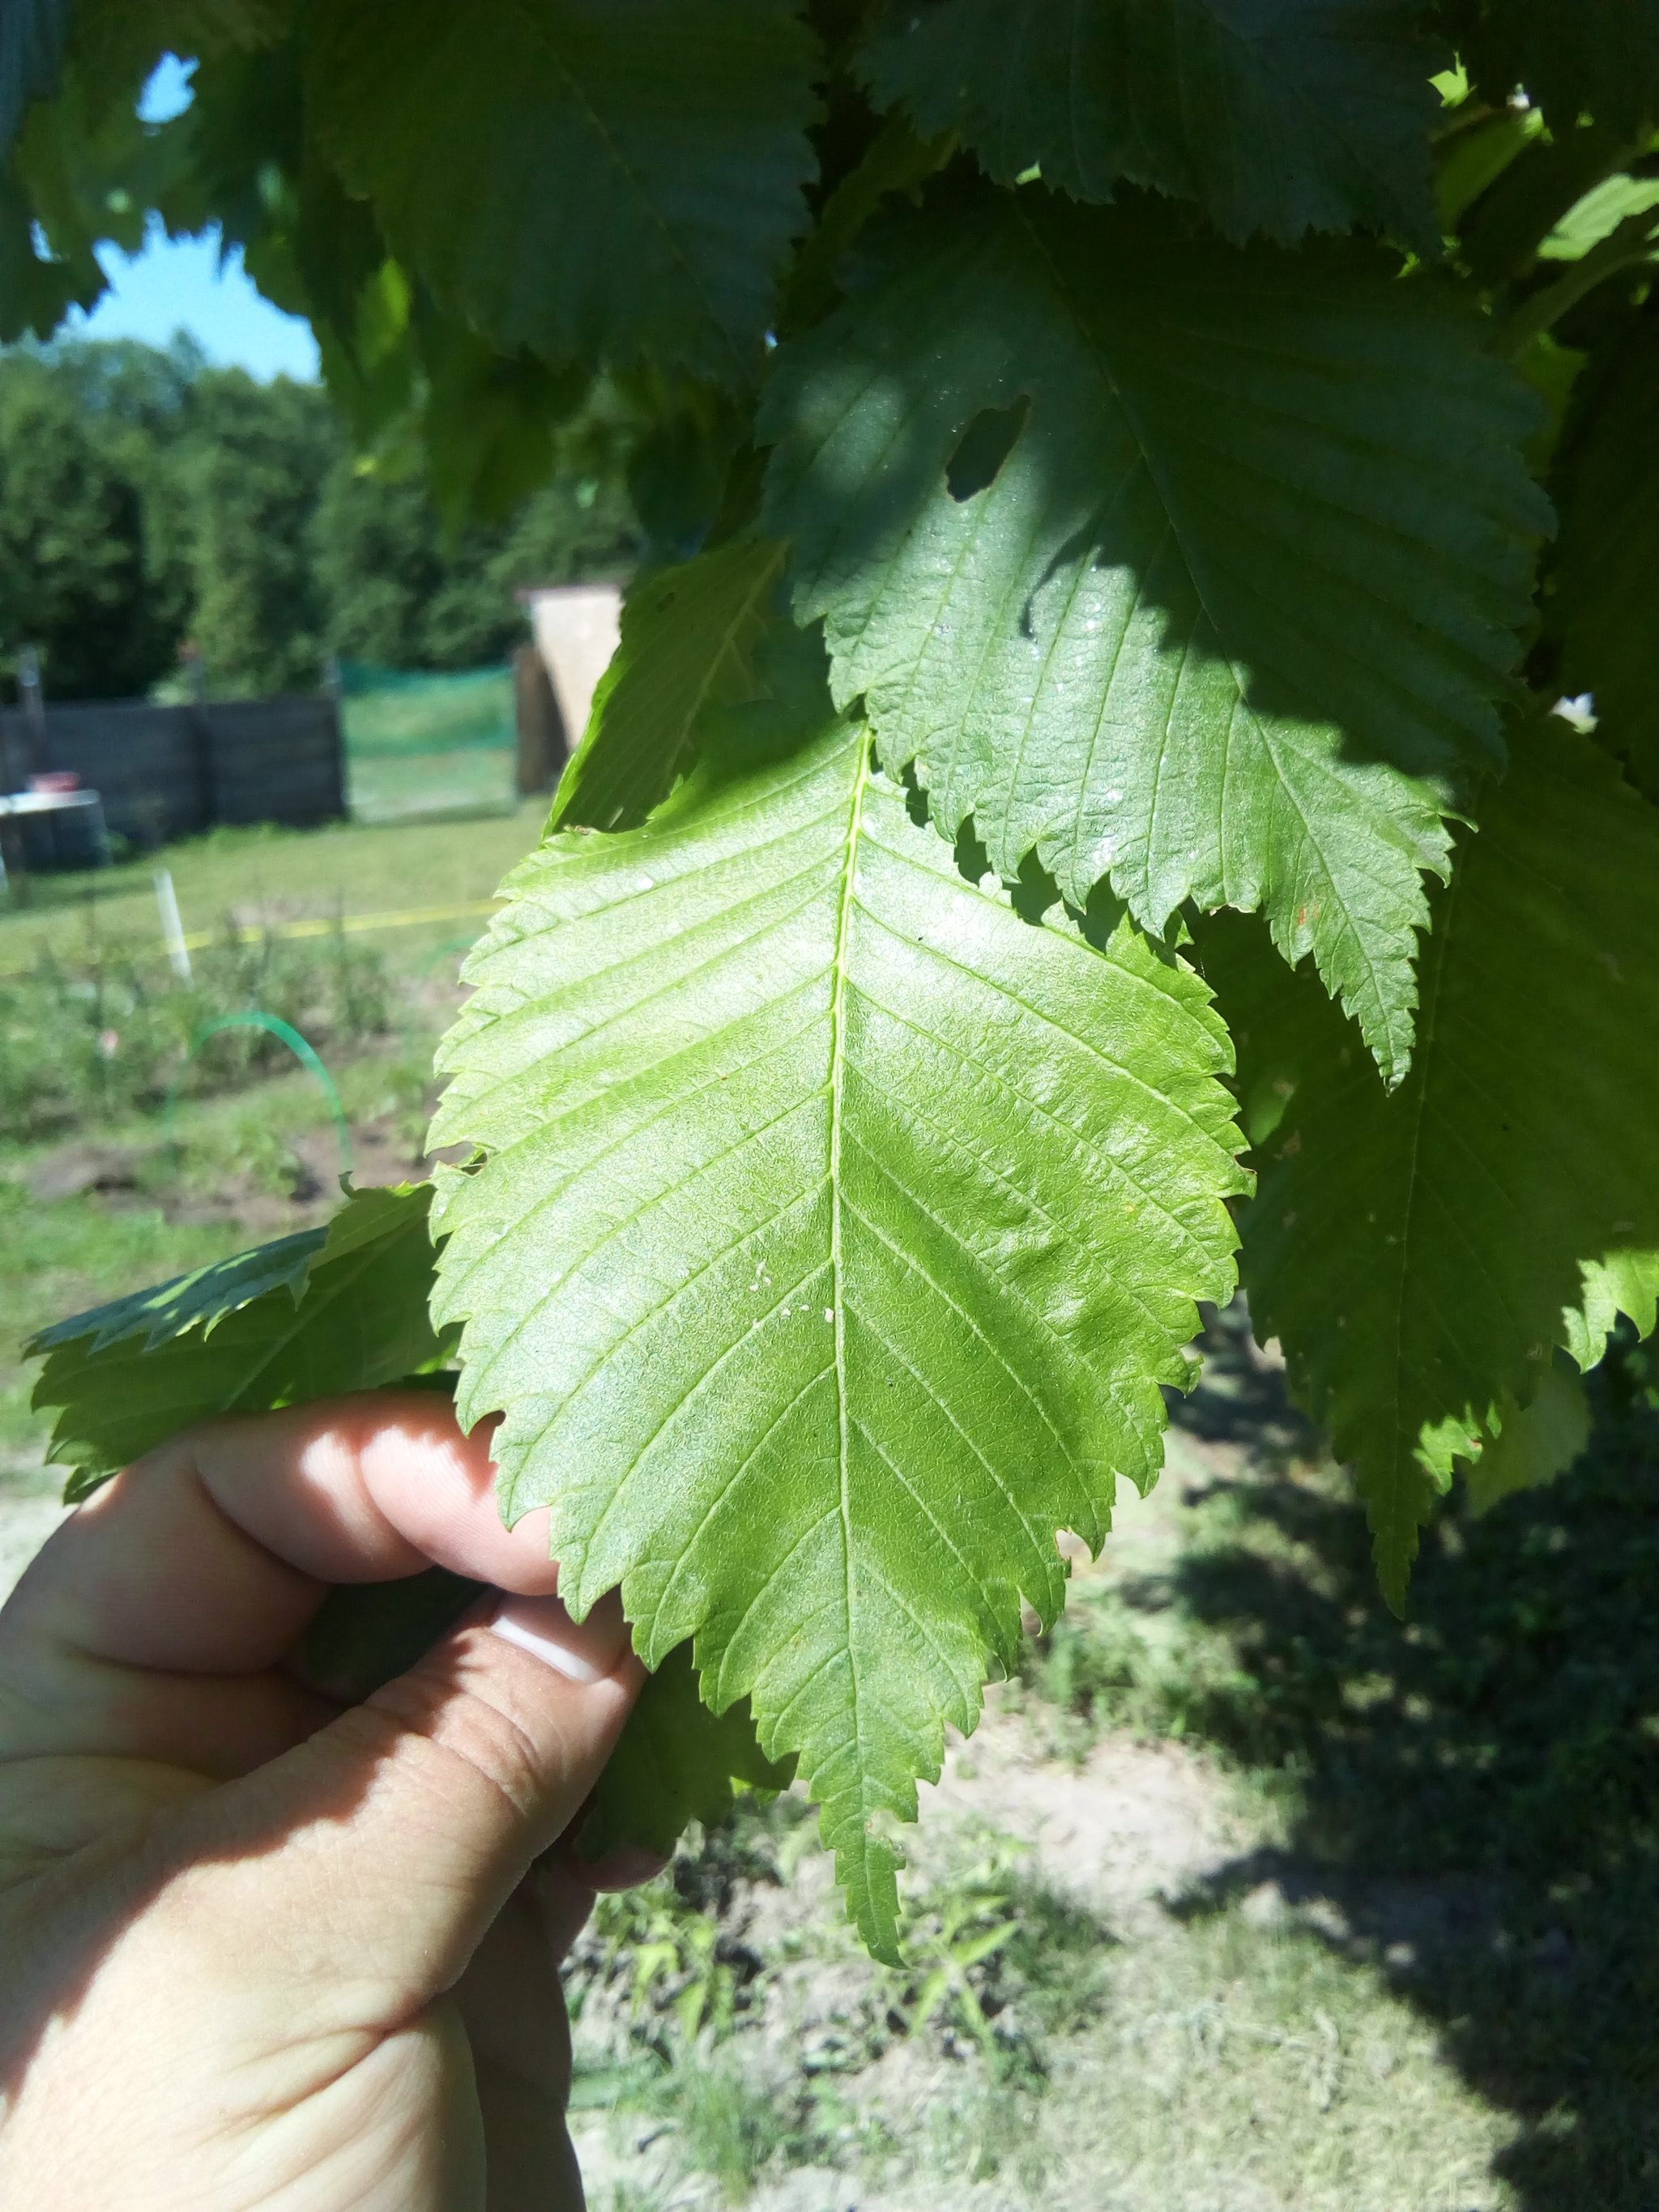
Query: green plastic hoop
[[285, 1034]]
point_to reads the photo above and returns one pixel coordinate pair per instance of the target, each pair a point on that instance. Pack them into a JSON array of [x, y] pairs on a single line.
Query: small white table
[[87, 805]]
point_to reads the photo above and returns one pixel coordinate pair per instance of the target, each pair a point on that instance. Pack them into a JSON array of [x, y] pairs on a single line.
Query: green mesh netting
[[428, 745]]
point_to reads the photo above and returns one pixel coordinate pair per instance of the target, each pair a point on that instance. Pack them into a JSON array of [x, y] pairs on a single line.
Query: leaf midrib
[[838, 1266]]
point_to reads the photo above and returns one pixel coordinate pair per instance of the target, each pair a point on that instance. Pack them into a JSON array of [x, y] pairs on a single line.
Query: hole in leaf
[[983, 447]]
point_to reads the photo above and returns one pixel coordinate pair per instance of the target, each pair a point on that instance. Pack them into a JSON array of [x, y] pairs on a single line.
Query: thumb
[[373, 1857]]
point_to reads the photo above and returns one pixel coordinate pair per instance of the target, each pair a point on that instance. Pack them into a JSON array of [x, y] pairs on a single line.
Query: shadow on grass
[[1475, 1795]]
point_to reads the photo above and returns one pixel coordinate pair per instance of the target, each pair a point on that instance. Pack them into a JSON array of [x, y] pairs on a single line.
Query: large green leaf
[[594, 179], [1419, 1255], [837, 1229], [1602, 596], [323, 1311], [688, 641], [1573, 57], [1278, 116], [1227, 621]]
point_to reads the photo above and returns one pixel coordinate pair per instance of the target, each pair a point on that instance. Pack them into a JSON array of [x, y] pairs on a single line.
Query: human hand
[[260, 1950]]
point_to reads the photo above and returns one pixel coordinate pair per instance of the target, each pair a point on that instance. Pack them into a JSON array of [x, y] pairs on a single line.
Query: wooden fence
[[167, 772]]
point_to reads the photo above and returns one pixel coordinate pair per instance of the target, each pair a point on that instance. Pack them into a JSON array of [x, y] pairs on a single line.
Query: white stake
[[172, 930]]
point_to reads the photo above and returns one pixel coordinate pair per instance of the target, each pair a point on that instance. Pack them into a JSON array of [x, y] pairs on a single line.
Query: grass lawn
[[281, 875], [263, 1156], [240, 1155]]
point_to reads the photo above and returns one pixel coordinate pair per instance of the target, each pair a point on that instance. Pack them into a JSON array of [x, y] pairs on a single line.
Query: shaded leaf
[[344, 1308], [675, 1762], [117, 42], [1275, 115], [31, 35], [593, 179], [837, 1229], [75, 179], [36, 291], [200, 1300], [1601, 599], [1228, 621], [897, 161], [1503, 230], [1475, 153], [490, 421], [1419, 1255], [1574, 58], [365, 1634]]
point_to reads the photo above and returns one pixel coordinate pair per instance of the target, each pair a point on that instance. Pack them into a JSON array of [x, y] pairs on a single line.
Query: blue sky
[[178, 284]]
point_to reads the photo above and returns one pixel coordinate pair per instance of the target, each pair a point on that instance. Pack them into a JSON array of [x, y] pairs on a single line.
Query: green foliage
[[689, 637], [1595, 57], [1420, 1254], [402, 592], [648, 157], [676, 1763], [147, 500], [323, 1311], [117, 42], [1181, 559], [252, 471], [781, 1103], [79, 171], [82, 571], [1532, 1443], [92, 1041], [31, 48], [1602, 601], [1297, 115], [1226, 621]]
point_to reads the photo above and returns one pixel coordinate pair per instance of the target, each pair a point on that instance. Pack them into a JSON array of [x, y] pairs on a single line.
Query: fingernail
[[581, 1650]]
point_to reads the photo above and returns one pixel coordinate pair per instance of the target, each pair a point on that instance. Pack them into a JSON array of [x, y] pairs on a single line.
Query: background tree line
[[152, 504]]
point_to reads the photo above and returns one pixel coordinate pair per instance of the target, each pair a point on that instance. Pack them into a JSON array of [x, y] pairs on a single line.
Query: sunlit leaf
[[838, 1226]]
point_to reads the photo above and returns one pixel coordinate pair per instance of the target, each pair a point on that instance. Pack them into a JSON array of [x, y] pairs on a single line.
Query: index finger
[[211, 1553]]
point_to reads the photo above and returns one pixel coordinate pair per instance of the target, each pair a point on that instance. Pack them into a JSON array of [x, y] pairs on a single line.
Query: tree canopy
[[149, 501]]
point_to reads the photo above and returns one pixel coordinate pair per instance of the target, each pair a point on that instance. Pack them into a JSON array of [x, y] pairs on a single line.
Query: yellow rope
[[319, 926]]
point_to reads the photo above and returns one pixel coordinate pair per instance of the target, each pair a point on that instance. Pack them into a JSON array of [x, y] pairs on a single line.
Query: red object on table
[[55, 779]]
